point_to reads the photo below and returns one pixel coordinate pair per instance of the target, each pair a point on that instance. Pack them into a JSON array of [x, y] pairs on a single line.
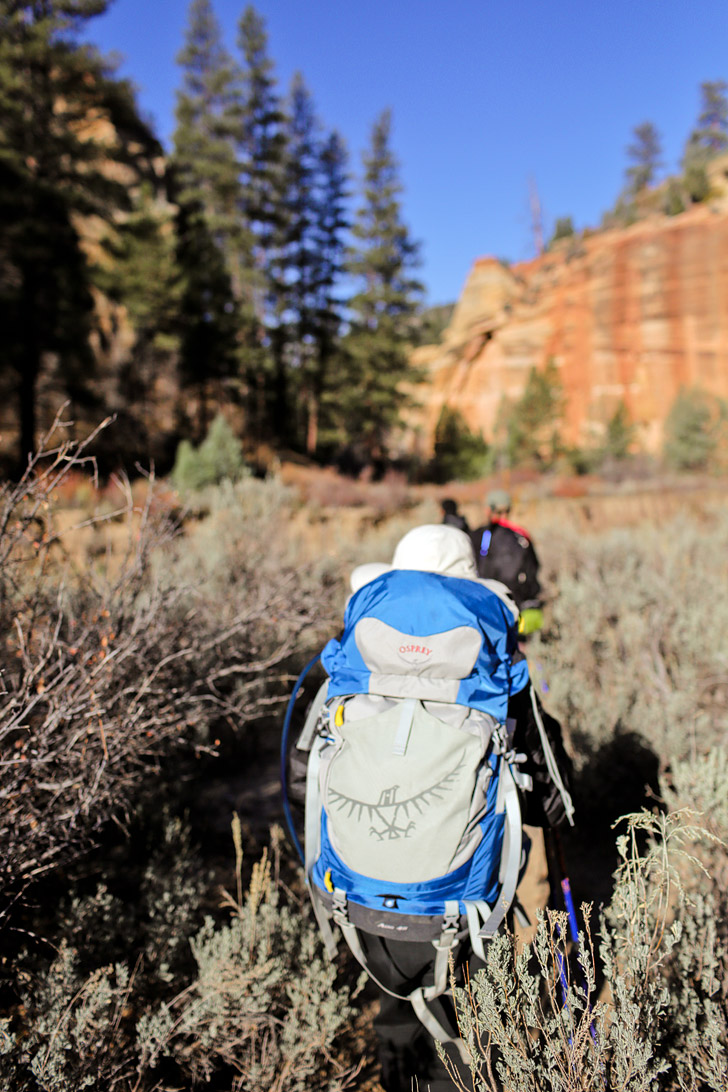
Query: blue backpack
[[412, 822]]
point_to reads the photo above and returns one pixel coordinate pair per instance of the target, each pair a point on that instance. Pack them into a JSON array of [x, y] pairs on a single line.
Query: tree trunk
[[29, 369], [312, 425]]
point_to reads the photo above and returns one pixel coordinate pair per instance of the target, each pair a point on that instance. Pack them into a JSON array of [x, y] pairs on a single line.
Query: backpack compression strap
[[507, 800]]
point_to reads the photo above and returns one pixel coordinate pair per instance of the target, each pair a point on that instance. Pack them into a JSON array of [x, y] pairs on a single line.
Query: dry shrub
[[259, 1007], [119, 669], [533, 1020], [636, 634], [110, 669], [263, 1005]]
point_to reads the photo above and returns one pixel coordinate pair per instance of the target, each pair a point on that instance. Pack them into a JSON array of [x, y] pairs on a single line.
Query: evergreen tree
[[708, 139], [209, 316], [204, 158], [459, 453], [712, 128], [261, 157], [215, 250], [694, 427], [292, 256], [143, 275], [563, 229], [645, 153], [532, 424], [620, 434], [330, 231], [261, 144], [55, 168], [382, 261], [311, 259]]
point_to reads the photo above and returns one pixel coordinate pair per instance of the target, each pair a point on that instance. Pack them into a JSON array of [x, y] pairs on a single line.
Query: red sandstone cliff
[[626, 315]]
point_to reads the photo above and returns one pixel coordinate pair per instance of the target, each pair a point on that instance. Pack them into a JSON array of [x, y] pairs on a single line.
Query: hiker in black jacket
[[504, 551]]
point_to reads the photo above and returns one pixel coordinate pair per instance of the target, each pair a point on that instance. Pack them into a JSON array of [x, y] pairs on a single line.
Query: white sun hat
[[433, 548]]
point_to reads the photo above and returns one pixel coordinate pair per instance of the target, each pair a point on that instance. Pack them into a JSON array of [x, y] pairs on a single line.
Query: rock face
[[627, 315]]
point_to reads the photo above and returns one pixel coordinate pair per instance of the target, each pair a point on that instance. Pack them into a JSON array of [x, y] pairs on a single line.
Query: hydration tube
[[284, 755]]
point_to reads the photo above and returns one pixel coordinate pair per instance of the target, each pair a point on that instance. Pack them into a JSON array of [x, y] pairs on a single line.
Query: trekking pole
[[553, 864], [284, 756], [557, 872]]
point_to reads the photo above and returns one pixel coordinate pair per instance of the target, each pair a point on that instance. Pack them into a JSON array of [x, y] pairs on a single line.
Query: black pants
[[406, 1049]]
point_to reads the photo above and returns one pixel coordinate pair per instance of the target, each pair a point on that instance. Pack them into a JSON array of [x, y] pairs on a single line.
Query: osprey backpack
[[412, 819]]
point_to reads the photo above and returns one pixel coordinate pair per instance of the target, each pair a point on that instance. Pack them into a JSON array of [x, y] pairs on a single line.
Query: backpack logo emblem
[[391, 818], [414, 654]]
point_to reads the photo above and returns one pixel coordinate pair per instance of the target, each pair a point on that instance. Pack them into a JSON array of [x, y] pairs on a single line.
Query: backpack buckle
[[450, 926]]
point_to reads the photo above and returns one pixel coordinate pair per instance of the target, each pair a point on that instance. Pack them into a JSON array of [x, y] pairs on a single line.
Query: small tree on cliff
[[459, 453], [619, 435], [563, 229], [532, 427], [382, 261], [708, 139], [645, 154]]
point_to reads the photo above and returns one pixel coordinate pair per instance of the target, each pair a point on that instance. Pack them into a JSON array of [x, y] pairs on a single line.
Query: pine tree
[[291, 256], [55, 168], [204, 159], [261, 156], [533, 422], [311, 260], [712, 128], [262, 136], [215, 249], [708, 139], [694, 427], [143, 275], [645, 153], [330, 231], [382, 260], [620, 434], [209, 316]]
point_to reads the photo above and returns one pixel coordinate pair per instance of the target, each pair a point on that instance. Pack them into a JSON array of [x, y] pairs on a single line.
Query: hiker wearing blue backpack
[[427, 751]]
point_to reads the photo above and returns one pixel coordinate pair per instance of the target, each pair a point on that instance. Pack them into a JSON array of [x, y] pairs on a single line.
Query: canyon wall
[[627, 315]]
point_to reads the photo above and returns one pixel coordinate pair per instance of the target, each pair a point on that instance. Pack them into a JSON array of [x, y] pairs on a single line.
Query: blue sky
[[489, 97]]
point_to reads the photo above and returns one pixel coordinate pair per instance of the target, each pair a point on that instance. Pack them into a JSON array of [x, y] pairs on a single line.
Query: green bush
[[563, 229], [218, 458], [694, 428]]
